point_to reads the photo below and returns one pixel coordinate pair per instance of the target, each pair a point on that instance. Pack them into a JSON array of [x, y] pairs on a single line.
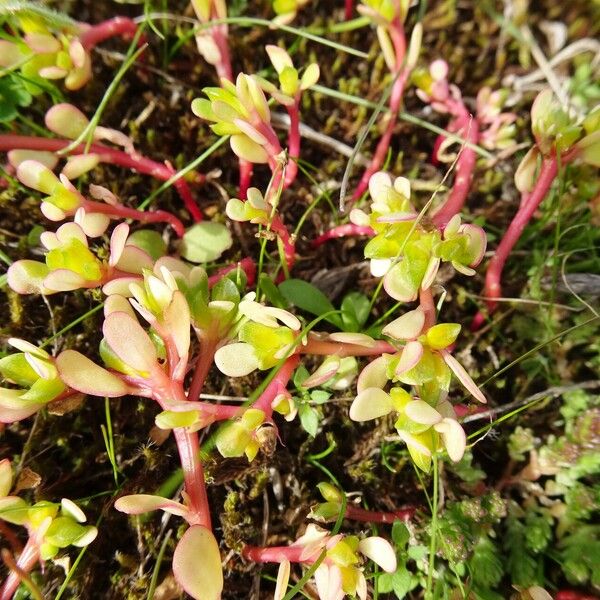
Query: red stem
[[274, 554], [277, 386], [493, 288], [349, 9], [428, 305], [27, 560], [223, 67], [193, 475], [291, 170], [289, 248], [396, 32], [246, 170], [110, 28], [347, 230], [465, 165], [246, 264], [325, 348], [112, 156], [573, 595], [356, 513], [203, 364], [124, 212]]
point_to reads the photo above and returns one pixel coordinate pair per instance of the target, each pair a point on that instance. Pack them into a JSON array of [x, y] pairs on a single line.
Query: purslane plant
[[389, 17], [404, 249], [69, 122], [489, 126], [340, 572], [50, 528], [559, 140], [63, 200], [38, 51], [212, 42], [241, 111]]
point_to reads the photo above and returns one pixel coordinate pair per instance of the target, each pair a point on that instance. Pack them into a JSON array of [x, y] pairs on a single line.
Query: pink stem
[[349, 9], [96, 34], [123, 212], [573, 595], [357, 513], [427, 304], [291, 170], [289, 248], [203, 364], [493, 288], [277, 385], [246, 169], [246, 264], [274, 554], [193, 474], [219, 35], [465, 165], [347, 230], [27, 560], [325, 348], [396, 32], [109, 155]]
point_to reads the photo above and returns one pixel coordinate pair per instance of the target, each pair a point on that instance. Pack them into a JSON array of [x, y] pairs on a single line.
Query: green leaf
[[400, 534], [307, 297], [355, 311], [205, 242], [417, 552], [271, 292], [401, 582], [309, 419], [149, 241], [319, 396]]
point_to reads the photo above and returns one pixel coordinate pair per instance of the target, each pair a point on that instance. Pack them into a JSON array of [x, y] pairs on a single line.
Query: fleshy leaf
[[83, 375], [380, 552], [236, 360], [371, 403], [137, 504], [205, 242], [130, 342], [463, 376], [197, 564], [406, 327]]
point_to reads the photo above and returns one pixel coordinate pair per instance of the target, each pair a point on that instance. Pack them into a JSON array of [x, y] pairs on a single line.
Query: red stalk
[[348, 9], [356, 513], [96, 34], [427, 304], [203, 364], [274, 554], [396, 32], [277, 386], [246, 170], [188, 447], [465, 165], [27, 560], [291, 170], [109, 155], [223, 67], [529, 205], [347, 230], [123, 212], [246, 264]]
